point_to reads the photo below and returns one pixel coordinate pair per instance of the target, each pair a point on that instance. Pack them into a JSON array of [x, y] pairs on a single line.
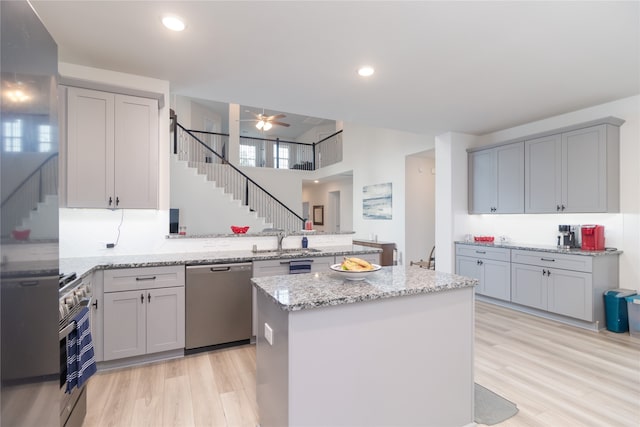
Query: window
[[281, 155], [44, 138], [12, 138], [247, 155]]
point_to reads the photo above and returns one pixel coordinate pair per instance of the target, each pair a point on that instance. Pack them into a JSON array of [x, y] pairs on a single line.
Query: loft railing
[[328, 150], [215, 166], [43, 181]]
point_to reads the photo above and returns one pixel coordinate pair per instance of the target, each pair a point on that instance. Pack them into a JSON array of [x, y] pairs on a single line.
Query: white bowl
[[354, 275]]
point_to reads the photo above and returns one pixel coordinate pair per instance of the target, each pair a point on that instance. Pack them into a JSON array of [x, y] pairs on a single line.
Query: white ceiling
[[471, 67]]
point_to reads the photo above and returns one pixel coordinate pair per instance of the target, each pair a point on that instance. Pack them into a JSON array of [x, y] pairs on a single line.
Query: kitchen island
[[393, 349]]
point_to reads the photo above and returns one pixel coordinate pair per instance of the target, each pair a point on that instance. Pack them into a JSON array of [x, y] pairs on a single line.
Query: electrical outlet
[[268, 333]]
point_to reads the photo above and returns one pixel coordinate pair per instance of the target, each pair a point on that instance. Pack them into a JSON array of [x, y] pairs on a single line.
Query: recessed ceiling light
[[173, 23], [316, 181], [366, 71]]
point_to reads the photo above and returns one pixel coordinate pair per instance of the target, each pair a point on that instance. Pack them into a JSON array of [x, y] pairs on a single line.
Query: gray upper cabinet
[[576, 171], [543, 174], [496, 179], [112, 150]]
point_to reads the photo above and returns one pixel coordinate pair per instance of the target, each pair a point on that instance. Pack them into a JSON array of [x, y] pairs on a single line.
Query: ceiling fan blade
[[280, 124], [276, 116]]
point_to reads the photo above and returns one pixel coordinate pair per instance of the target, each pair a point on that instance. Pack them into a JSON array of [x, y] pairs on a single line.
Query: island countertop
[[312, 290]]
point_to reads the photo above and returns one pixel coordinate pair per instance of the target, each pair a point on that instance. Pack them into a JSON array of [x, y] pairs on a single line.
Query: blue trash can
[[615, 308]]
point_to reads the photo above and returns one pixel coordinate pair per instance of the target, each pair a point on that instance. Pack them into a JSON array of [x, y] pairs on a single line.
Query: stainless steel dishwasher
[[218, 304]]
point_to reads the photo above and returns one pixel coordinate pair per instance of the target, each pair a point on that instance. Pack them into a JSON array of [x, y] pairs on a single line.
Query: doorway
[[333, 217]]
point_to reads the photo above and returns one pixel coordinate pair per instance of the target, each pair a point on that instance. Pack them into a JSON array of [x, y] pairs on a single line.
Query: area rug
[[491, 408]]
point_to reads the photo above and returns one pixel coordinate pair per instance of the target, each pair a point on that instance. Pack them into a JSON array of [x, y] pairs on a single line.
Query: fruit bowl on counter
[[239, 230], [354, 275]]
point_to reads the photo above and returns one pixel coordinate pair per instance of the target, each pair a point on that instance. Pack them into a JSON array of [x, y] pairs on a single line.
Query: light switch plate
[[268, 333]]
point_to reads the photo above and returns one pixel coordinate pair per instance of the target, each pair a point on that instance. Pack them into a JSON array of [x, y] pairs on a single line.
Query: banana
[[356, 264]]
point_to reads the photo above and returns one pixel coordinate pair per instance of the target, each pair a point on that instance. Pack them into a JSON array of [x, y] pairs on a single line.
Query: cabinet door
[[136, 152], [570, 294], [528, 286], [469, 267], [124, 324], [165, 319], [543, 174], [584, 174], [510, 178], [482, 181], [496, 279], [90, 148]]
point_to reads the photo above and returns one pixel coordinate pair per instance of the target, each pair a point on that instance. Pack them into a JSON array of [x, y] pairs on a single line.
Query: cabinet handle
[[141, 298], [117, 201], [480, 262], [149, 296], [481, 252], [548, 259], [95, 304], [562, 207], [140, 279], [548, 273], [110, 200], [544, 272], [557, 207]]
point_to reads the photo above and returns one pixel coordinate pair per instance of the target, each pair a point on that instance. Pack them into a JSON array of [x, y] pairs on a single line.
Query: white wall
[[420, 207], [622, 230], [377, 156]]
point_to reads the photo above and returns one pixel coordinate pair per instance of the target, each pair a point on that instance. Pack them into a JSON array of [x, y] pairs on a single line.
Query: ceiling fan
[[264, 122]]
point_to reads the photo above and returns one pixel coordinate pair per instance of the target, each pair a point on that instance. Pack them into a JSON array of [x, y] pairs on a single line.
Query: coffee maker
[[567, 236]]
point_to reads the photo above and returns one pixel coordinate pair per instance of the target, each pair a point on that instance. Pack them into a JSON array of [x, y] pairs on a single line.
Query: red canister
[[593, 237]]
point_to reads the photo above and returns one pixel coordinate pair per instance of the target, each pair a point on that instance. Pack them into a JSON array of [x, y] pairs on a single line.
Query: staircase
[[43, 221], [206, 208], [237, 200]]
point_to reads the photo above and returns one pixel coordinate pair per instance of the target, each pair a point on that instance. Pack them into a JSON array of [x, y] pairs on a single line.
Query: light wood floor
[[556, 374]]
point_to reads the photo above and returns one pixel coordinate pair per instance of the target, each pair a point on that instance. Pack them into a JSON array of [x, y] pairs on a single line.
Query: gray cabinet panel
[[584, 176], [124, 324], [496, 279], [482, 181], [543, 174], [570, 294], [496, 179], [165, 319], [529, 286]]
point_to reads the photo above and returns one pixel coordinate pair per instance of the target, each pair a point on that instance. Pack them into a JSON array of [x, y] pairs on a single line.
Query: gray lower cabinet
[[570, 285], [144, 311], [490, 266], [561, 283]]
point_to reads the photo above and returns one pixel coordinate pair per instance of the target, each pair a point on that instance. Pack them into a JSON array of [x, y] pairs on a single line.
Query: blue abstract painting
[[376, 201]]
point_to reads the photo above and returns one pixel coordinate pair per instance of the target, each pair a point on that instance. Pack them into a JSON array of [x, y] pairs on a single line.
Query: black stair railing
[[43, 181], [216, 167]]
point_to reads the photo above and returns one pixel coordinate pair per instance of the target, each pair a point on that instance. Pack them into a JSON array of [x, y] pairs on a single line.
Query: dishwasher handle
[[220, 268]]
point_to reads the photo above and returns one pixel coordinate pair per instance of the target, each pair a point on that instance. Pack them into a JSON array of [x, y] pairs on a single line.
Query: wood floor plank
[[558, 375]]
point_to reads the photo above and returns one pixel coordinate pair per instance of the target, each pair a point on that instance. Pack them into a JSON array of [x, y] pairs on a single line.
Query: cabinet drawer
[[129, 279], [277, 267], [553, 260], [484, 252]]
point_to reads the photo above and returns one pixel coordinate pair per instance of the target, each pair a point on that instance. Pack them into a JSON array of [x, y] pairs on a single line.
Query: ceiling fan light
[[260, 124], [267, 126]]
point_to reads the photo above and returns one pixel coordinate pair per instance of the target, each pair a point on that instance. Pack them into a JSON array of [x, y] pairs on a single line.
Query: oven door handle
[[67, 330]]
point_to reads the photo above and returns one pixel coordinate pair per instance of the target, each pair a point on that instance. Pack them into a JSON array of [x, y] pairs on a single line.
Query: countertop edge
[[550, 249]]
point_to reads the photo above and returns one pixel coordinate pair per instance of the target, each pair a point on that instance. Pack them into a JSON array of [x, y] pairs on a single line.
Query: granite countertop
[[84, 266], [312, 290], [543, 248]]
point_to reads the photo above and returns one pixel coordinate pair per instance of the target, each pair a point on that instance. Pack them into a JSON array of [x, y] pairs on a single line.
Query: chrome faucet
[[281, 237]]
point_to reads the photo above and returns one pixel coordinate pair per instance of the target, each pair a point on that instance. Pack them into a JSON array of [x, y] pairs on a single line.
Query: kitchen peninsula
[[393, 349]]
